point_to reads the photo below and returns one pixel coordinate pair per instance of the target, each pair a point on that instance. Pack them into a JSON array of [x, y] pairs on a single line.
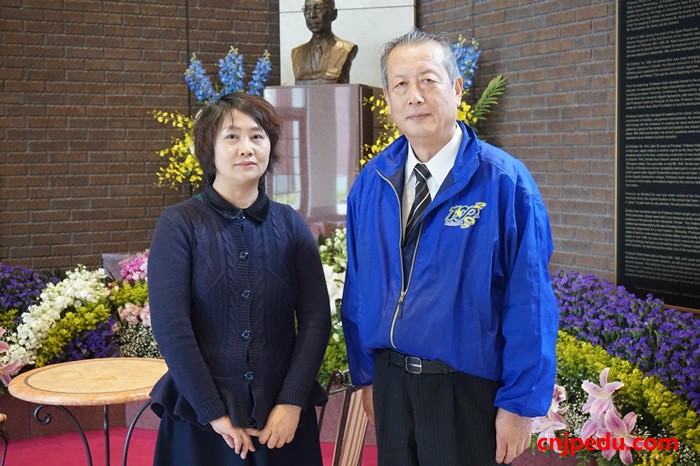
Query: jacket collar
[[391, 163], [257, 211]]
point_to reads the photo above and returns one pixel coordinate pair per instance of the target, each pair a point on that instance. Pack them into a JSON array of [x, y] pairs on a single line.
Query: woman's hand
[[281, 426], [236, 437]]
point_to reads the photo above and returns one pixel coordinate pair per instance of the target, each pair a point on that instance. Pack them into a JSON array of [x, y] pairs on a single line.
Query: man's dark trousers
[[435, 419]]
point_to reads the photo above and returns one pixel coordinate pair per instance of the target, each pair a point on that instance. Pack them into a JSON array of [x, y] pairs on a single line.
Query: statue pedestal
[[325, 127]]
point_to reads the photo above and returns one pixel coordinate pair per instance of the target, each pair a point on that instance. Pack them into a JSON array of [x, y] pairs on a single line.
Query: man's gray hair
[[416, 37]]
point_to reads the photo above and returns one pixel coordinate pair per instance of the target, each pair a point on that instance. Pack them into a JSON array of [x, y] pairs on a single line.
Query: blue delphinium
[[197, 79], [260, 74], [231, 77], [661, 342], [231, 72], [467, 55]]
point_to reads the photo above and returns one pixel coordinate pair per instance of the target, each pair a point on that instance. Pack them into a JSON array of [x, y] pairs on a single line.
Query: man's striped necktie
[[422, 199]]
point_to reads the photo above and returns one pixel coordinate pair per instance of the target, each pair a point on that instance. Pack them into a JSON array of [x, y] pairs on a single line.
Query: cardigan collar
[[257, 211]]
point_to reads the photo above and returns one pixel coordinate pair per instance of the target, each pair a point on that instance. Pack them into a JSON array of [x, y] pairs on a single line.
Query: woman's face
[[241, 152]]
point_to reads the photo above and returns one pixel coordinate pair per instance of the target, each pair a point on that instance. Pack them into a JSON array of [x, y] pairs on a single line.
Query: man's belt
[[415, 365]]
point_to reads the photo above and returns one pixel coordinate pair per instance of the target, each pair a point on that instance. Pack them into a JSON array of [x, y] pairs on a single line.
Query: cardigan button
[[248, 375], [243, 255], [246, 334], [246, 294]]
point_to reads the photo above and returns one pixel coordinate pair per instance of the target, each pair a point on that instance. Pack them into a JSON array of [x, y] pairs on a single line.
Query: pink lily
[[600, 397], [546, 426], [620, 428], [558, 397], [7, 371], [591, 429]]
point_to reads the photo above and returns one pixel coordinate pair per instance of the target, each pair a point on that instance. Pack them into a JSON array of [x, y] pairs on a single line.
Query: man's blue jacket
[[478, 296]]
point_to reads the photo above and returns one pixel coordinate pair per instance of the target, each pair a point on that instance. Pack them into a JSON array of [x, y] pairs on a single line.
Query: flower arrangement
[[134, 269], [467, 55], [334, 257], [84, 315], [20, 287], [591, 410], [596, 318], [80, 298], [134, 336], [182, 167], [661, 342]]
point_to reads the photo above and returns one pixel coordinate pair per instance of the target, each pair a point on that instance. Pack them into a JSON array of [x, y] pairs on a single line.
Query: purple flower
[[96, 343], [20, 287]]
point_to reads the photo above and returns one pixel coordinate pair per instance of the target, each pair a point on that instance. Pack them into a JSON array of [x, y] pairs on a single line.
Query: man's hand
[[281, 426], [368, 402], [235, 437], [512, 435]]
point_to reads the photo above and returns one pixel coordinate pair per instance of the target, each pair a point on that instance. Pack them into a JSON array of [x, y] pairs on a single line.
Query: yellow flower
[[182, 166]]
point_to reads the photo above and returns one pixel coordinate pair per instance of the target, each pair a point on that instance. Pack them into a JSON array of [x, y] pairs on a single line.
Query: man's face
[[421, 99], [319, 14]]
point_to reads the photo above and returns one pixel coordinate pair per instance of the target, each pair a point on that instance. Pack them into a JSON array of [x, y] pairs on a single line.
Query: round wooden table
[[90, 382]]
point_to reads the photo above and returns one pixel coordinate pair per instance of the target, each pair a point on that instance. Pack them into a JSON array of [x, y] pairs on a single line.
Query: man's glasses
[[316, 9]]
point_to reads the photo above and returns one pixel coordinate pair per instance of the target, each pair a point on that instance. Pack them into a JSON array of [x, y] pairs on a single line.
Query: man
[[325, 59], [448, 311]]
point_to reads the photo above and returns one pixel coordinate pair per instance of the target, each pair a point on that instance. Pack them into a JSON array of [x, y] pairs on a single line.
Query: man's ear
[[458, 90], [334, 14]]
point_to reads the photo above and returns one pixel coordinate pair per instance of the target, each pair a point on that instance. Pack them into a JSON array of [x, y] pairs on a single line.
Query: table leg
[[46, 418], [106, 431], [131, 430]]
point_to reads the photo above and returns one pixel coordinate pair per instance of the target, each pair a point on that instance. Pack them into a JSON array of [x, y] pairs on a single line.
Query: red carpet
[[68, 450]]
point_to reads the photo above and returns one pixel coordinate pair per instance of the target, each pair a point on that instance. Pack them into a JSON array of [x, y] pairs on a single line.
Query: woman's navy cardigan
[[239, 309]]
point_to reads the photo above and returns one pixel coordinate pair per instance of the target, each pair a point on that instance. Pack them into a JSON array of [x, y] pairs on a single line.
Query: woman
[[239, 306]]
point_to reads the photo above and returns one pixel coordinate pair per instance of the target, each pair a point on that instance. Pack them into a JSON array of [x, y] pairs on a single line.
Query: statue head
[[325, 58], [319, 14]]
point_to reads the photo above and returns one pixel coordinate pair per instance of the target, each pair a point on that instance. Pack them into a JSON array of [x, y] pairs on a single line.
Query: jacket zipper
[[399, 305]]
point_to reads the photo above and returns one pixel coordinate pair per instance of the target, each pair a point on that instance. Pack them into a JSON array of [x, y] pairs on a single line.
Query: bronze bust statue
[[325, 59]]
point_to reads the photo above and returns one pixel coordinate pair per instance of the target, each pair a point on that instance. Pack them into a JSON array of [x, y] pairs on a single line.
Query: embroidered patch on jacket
[[464, 216]]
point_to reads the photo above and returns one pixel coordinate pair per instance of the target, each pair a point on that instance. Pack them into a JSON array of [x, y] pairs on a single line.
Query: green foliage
[[336, 357], [136, 292], [7, 319], [495, 89]]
